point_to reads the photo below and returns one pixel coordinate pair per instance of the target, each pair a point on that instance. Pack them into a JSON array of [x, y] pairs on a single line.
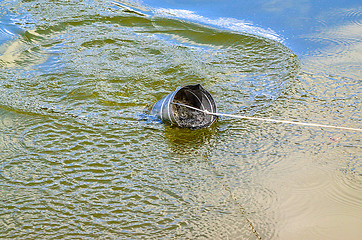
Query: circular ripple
[[346, 189], [152, 57]]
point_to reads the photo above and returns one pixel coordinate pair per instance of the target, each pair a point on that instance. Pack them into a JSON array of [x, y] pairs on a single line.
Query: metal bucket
[[192, 95]]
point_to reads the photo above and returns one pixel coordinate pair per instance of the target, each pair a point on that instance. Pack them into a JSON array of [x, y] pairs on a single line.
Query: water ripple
[[345, 189], [78, 162]]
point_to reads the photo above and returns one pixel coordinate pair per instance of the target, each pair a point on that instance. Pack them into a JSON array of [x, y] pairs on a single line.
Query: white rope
[[268, 119]]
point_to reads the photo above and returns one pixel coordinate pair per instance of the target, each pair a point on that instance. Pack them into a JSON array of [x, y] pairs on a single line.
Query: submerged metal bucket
[[192, 95]]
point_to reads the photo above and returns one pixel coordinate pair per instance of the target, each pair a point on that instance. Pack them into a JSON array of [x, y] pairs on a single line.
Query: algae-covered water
[[80, 158]]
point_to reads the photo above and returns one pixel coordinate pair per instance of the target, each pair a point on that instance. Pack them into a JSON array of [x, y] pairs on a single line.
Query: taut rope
[[268, 119]]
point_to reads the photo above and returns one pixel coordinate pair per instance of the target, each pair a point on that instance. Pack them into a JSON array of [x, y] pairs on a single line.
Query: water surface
[[80, 157]]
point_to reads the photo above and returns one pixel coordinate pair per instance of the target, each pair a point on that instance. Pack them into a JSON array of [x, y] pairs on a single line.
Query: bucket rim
[[205, 93]]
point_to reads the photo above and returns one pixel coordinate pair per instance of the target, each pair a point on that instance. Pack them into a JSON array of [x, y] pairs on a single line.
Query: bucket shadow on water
[[186, 141]]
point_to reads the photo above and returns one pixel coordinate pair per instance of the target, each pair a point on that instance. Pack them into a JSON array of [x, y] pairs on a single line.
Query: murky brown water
[[79, 158]]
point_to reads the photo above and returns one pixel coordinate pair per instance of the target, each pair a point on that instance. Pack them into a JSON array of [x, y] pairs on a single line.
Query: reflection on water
[[342, 53], [79, 159], [186, 141], [227, 23]]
